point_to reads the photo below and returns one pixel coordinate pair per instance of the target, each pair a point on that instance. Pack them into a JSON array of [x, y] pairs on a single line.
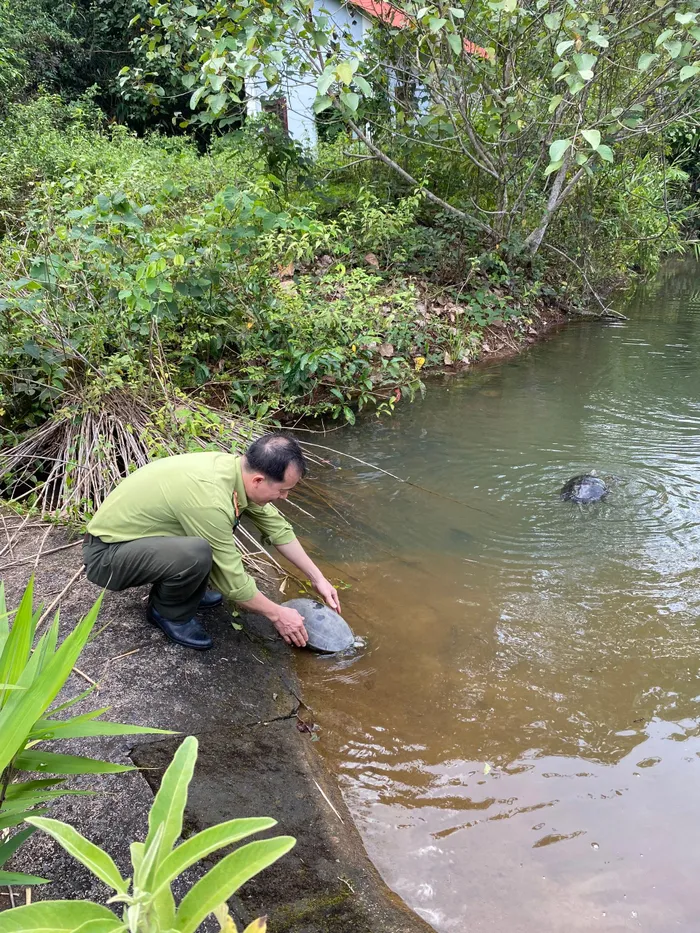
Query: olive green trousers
[[176, 568]]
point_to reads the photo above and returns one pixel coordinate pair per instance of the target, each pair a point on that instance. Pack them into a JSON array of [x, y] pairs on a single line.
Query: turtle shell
[[584, 488], [328, 632]]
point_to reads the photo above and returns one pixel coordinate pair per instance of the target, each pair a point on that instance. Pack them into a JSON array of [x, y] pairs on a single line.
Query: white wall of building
[[300, 92]]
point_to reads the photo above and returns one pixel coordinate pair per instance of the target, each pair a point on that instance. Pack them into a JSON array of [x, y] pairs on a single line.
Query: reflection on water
[[520, 743]]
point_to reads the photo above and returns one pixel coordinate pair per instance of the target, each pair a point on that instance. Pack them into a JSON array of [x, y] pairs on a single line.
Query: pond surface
[[520, 742]]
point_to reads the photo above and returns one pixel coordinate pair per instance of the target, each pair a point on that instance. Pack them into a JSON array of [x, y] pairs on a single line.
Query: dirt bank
[[256, 755]]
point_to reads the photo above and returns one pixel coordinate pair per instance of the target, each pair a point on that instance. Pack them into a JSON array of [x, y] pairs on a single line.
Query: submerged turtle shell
[[584, 488], [327, 631]]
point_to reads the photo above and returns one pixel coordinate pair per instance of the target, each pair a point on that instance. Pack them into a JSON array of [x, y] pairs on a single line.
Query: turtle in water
[[585, 488], [328, 632]]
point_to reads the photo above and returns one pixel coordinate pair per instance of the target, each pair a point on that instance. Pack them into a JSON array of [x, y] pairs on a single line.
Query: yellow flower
[[419, 363]]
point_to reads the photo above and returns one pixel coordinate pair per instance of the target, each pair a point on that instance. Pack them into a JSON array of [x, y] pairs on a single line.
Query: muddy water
[[520, 743]]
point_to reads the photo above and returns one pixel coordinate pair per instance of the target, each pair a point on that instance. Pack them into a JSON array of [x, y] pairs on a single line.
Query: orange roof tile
[[393, 16]]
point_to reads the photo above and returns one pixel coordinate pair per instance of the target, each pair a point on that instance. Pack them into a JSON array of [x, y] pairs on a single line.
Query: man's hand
[[290, 625], [328, 593]]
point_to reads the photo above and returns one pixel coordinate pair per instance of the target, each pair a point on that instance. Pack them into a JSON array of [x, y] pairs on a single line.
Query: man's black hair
[[271, 454]]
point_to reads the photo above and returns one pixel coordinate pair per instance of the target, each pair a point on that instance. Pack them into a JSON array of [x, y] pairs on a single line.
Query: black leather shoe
[[189, 634], [210, 599]]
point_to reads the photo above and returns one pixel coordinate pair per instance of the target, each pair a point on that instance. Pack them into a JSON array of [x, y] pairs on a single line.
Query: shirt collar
[[238, 486]]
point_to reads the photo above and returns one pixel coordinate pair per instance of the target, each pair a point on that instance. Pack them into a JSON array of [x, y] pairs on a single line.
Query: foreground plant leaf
[[60, 917], [100, 863]]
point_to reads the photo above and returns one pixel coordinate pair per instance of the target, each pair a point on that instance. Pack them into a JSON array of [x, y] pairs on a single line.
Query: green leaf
[[552, 167], [349, 415], [19, 642], [674, 48], [685, 18], [58, 917], [81, 728], [91, 856], [646, 60], [8, 848], [216, 82], [564, 46], [363, 85], [197, 847], [325, 81], [100, 926], [226, 878], [197, 96], [662, 37], [606, 153], [435, 23], [345, 71], [558, 148], [688, 71], [26, 706], [554, 102], [4, 618], [54, 763], [322, 103], [26, 789], [585, 64], [455, 42], [169, 804], [18, 877], [217, 102], [351, 100], [15, 817], [456, 12], [552, 21], [69, 703], [592, 137]]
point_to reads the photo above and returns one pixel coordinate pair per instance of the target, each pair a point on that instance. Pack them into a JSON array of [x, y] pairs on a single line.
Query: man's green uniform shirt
[[192, 495]]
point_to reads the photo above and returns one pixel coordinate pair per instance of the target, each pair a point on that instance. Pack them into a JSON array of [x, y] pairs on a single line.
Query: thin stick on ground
[[7, 536], [41, 547], [12, 540], [53, 550], [78, 573], [76, 670], [321, 791]]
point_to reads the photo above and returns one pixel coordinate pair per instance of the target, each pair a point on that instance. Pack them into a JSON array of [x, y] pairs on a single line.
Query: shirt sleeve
[[274, 527], [228, 574]]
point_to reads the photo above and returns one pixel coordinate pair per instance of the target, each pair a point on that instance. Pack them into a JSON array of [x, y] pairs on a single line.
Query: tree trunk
[[534, 240]]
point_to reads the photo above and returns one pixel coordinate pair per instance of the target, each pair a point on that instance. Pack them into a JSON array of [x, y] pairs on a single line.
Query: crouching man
[[170, 524]]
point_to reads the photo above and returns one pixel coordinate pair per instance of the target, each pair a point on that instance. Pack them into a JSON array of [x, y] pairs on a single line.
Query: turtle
[[585, 488], [328, 632]]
